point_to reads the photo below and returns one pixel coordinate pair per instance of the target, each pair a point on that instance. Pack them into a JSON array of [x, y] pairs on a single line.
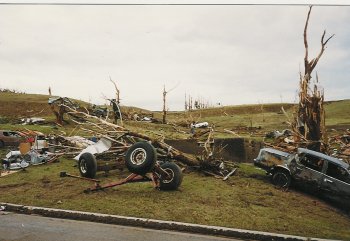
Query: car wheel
[[281, 179], [87, 165], [140, 158], [174, 178], [2, 144]]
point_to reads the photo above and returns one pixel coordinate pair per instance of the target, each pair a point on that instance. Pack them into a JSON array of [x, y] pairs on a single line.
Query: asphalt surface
[[21, 227]]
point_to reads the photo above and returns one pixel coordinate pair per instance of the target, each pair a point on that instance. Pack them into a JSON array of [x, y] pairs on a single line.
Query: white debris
[[101, 146]]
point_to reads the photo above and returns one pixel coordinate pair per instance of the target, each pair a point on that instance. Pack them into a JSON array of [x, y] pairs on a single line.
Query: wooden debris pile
[[123, 138], [340, 146], [210, 165]]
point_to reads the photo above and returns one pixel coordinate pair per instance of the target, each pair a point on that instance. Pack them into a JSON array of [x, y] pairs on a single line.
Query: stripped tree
[[309, 121], [115, 103], [117, 91], [165, 110]]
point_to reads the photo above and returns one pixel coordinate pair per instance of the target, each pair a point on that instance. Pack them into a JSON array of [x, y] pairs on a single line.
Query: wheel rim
[[83, 167], [170, 176], [138, 156], [281, 180]]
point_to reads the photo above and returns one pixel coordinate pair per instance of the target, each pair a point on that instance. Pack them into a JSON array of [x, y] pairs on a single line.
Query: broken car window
[[312, 162], [338, 172]]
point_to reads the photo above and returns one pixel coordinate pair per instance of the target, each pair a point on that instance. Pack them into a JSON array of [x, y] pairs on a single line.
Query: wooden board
[[6, 173]]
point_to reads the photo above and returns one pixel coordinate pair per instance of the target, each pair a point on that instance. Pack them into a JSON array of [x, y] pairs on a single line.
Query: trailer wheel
[[87, 165], [174, 180], [281, 178], [140, 158]]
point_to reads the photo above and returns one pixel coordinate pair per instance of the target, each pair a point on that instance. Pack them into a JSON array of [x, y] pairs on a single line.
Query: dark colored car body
[[9, 138], [312, 169]]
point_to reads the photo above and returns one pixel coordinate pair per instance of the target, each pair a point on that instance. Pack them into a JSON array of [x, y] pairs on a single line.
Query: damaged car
[[9, 138], [312, 169]]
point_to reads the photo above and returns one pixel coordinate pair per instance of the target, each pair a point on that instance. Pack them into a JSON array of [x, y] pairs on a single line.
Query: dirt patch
[[13, 185], [23, 109]]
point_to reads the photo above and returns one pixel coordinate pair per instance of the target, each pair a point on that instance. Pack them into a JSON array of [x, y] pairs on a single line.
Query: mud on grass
[[241, 202]]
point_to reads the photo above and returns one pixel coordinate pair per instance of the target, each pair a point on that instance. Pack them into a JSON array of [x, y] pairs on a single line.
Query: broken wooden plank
[[230, 174]]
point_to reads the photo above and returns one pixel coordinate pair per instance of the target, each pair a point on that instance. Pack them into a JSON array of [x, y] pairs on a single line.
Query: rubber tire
[[176, 176], [146, 152], [281, 179], [2, 144], [87, 165]]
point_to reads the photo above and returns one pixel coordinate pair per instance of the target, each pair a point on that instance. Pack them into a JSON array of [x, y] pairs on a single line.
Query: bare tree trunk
[[117, 91], [309, 121], [165, 110], [164, 105], [116, 107], [58, 109]]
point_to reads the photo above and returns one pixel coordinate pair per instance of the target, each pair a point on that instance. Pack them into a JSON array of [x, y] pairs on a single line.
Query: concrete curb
[[151, 223]]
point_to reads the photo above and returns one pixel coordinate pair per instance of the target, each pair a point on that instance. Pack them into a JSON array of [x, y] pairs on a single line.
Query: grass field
[[267, 117], [247, 200]]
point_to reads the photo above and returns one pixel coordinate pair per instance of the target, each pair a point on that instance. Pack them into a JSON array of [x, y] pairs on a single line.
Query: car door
[[336, 180], [307, 170]]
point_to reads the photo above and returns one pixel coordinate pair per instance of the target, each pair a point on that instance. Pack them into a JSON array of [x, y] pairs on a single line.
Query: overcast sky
[[230, 54]]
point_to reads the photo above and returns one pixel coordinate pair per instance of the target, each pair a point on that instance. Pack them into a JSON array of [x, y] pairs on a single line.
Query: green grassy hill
[[262, 118], [246, 200], [13, 105]]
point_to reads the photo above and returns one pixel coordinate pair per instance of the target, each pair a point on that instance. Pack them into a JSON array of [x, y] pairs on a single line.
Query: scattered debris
[[121, 139], [101, 146], [201, 125], [75, 141], [99, 111], [338, 145], [230, 174], [277, 134], [33, 120], [33, 150], [148, 119], [58, 106], [13, 161]]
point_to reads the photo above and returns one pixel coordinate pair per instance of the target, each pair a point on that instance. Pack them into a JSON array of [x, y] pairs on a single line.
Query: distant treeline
[[5, 90]]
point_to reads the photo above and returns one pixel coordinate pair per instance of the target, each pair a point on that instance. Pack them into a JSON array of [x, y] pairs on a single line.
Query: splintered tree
[[117, 91], [115, 104], [198, 103], [165, 110], [309, 121], [164, 105]]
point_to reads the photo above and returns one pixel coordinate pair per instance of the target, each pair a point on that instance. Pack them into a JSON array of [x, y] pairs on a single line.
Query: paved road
[[21, 227]]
